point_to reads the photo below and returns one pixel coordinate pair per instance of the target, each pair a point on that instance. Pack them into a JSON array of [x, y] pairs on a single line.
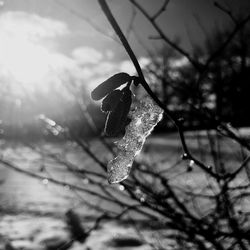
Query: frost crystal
[[144, 118]]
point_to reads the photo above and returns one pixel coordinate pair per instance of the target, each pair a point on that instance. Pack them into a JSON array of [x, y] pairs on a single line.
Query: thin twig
[[164, 37], [235, 31], [170, 115], [52, 180], [243, 164], [86, 19], [161, 10], [225, 10]]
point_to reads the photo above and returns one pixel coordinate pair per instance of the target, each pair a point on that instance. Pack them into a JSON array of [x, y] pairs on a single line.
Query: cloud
[[25, 58], [109, 54], [128, 67], [93, 66], [30, 66], [32, 26], [85, 55], [96, 73]]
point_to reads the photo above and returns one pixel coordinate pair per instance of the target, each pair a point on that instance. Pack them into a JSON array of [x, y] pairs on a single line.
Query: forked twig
[[170, 114]]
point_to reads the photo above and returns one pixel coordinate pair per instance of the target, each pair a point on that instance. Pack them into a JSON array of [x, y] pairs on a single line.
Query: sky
[[50, 42]]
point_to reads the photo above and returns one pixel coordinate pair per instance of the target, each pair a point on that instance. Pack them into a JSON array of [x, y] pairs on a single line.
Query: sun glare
[[25, 61]]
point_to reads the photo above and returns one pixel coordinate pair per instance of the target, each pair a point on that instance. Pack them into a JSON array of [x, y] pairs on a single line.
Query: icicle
[[144, 118]]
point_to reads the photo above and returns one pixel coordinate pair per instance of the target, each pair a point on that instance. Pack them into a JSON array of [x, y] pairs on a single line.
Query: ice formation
[[144, 117]]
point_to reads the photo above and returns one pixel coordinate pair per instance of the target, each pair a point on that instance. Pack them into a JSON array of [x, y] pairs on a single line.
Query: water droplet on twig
[[45, 181]]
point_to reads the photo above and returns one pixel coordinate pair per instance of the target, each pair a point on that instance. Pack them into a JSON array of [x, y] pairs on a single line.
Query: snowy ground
[[32, 212]]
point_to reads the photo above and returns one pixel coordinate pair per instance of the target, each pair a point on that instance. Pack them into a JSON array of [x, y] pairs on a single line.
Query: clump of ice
[[144, 117]]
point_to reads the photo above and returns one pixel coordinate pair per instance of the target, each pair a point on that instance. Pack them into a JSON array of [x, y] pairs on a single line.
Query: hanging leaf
[[111, 100], [110, 84], [117, 118], [113, 122], [127, 100]]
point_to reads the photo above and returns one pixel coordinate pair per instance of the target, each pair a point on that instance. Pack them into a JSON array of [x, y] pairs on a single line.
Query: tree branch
[[164, 37], [161, 10], [170, 115]]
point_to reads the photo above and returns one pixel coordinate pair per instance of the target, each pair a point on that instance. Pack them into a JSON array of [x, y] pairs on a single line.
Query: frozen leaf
[[110, 84], [144, 117]]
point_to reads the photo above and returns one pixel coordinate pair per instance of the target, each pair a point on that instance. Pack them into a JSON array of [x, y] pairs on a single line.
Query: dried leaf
[[111, 100], [110, 84], [127, 100], [117, 118], [113, 122]]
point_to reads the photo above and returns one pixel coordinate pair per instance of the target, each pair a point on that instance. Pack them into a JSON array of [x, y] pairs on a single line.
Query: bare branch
[[243, 165], [171, 116], [235, 31], [164, 37], [225, 10], [52, 180], [86, 19], [161, 10]]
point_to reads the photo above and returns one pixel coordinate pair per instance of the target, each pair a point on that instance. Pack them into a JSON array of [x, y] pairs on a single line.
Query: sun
[[28, 57], [27, 62], [24, 61]]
